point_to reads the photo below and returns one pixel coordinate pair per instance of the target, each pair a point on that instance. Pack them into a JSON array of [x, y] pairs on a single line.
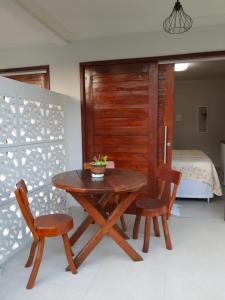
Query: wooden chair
[[161, 206], [41, 227], [109, 165]]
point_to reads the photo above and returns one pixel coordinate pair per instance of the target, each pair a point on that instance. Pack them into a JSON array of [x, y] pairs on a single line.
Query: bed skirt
[[194, 189]]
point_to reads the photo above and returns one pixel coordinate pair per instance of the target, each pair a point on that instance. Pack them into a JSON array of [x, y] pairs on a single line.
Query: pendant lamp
[[178, 21]]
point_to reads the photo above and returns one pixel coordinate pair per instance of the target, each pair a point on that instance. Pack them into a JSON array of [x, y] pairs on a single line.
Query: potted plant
[[98, 166]]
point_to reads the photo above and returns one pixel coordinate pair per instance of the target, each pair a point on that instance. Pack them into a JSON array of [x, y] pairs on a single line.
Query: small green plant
[[100, 160]]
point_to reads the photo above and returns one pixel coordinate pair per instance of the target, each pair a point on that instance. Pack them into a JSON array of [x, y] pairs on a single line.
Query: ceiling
[[202, 70], [26, 22]]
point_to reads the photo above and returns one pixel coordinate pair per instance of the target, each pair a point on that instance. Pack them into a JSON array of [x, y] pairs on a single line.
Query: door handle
[[165, 144]]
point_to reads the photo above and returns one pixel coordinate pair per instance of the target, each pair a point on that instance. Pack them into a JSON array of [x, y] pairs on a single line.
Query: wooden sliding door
[[165, 113], [124, 108]]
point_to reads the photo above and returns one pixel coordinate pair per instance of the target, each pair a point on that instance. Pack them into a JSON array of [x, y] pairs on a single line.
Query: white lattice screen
[[31, 147]]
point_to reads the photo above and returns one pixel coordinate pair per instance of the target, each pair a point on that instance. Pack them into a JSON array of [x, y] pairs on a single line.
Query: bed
[[199, 175]]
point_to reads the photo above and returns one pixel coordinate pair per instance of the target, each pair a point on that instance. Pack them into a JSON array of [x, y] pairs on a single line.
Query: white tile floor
[[193, 270]]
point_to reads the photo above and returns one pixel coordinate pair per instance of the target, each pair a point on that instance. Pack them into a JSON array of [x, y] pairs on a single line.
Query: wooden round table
[[82, 187]]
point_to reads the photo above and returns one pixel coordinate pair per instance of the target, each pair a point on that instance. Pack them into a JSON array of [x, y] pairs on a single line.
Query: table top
[[115, 180]]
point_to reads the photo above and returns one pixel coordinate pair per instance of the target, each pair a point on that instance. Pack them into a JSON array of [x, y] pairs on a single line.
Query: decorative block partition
[[31, 147]]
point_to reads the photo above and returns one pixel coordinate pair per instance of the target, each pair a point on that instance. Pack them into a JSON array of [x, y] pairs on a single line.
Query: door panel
[[108, 78], [127, 140], [165, 117], [165, 114], [123, 116], [136, 113]]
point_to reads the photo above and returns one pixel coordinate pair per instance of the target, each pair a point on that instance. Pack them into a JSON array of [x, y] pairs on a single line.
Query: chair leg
[[166, 233], [32, 253], [37, 263], [156, 226], [136, 226], [123, 223], [68, 253], [147, 234]]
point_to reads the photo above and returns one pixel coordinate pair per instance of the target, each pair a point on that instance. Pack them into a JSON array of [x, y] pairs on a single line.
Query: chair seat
[[151, 207], [53, 224]]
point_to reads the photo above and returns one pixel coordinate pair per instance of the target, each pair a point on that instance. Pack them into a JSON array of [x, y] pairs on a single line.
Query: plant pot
[[97, 171]]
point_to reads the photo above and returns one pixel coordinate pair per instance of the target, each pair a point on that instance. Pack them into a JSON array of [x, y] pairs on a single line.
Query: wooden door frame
[[162, 58], [30, 69], [156, 59]]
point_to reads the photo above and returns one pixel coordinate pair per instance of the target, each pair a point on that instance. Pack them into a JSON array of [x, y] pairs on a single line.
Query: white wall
[[35, 127], [189, 95], [64, 60]]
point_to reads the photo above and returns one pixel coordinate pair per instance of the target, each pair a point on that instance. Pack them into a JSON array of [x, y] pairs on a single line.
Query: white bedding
[[195, 165]]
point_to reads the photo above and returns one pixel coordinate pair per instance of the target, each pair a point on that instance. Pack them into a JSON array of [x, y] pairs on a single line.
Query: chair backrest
[[22, 199], [170, 180], [109, 165]]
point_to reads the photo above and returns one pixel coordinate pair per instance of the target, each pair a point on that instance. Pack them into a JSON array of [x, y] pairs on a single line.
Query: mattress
[[197, 170]]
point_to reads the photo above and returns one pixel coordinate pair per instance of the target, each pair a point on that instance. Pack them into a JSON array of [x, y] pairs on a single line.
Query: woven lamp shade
[[178, 21]]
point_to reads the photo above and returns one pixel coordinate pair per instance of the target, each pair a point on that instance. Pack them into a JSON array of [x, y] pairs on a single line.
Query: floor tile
[[194, 269]]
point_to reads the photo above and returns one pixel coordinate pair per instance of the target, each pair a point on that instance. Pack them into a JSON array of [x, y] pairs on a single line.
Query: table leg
[[107, 227], [88, 220], [125, 246], [80, 230], [86, 250], [121, 232], [105, 215]]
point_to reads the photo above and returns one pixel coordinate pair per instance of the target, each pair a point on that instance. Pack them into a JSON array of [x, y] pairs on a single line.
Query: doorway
[[199, 122], [127, 112]]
